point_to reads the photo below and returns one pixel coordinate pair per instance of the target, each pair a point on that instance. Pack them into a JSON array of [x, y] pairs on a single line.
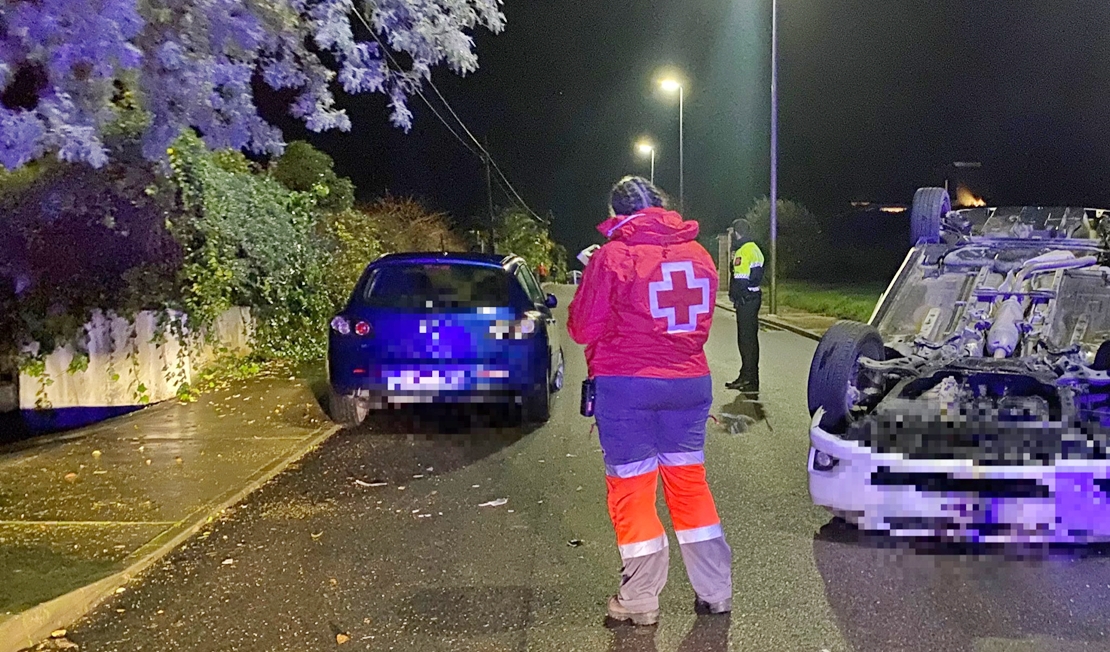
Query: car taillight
[[344, 326], [504, 329]]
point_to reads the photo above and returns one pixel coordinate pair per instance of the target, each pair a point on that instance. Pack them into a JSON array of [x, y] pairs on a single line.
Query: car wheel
[[560, 374], [834, 374], [348, 410], [930, 205], [1102, 358], [536, 406]]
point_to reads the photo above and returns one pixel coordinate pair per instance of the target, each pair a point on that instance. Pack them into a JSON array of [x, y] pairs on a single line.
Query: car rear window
[[436, 286]]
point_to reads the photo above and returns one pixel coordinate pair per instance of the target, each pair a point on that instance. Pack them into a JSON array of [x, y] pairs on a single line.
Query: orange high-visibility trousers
[[652, 427]]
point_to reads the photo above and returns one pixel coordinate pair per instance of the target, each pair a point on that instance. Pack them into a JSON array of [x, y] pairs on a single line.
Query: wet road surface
[[379, 541]]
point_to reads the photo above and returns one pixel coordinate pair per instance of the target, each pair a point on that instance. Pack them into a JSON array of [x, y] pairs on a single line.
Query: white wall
[[158, 367]]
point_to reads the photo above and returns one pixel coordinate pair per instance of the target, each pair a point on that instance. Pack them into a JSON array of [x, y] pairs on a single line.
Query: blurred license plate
[[426, 380]]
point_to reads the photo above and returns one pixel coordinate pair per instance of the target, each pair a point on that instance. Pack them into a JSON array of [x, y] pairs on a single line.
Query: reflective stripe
[[644, 548], [632, 469], [682, 459], [699, 534], [755, 289]]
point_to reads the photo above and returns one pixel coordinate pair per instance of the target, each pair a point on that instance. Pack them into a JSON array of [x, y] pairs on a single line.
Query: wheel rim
[[852, 393], [559, 373]]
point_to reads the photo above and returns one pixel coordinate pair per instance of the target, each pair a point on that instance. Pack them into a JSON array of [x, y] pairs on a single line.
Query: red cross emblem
[[680, 297]]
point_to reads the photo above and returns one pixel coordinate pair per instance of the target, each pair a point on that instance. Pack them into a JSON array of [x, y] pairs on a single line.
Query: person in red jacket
[[643, 310]]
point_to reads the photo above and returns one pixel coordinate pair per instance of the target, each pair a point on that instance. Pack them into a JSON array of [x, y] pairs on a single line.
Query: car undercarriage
[[987, 357]]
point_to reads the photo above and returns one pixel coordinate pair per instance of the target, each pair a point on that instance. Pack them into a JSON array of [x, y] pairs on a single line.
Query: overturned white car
[[975, 404]]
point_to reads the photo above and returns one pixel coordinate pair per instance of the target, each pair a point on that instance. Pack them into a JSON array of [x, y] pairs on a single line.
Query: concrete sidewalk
[[803, 323], [83, 512]]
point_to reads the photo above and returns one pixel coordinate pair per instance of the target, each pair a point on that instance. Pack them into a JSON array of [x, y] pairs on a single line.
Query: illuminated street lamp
[[671, 85], [647, 148]]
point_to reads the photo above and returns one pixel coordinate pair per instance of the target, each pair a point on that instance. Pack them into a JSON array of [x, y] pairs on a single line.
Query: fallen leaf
[[495, 503], [71, 477], [341, 638], [96, 453], [229, 561], [317, 535], [58, 633]]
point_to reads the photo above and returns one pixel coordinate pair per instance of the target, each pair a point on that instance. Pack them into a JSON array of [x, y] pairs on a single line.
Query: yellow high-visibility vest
[[748, 257]]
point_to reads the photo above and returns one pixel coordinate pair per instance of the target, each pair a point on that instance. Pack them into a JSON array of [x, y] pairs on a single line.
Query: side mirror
[[551, 301]]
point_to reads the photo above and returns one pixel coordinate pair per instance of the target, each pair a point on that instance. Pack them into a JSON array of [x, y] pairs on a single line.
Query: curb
[[774, 322], [32, 626]]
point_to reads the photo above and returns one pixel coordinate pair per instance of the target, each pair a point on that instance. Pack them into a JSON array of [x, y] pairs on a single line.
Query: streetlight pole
[[774, 155], [671, 85], [681, 154], [646, 147]]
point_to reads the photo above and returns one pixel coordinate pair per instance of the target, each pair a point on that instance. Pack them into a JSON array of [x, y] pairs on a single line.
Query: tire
[[536, 406], [1102, 358], [834, 370], [560, 374], [930, 205], [347, 410]]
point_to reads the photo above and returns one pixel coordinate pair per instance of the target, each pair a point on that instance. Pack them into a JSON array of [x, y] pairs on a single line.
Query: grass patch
[[854, 302]]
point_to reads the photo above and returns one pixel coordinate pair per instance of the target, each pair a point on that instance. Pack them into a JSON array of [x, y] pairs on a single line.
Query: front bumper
[[1066, 502]]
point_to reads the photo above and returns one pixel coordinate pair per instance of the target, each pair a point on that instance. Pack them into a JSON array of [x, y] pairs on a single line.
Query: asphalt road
[[418, 564]]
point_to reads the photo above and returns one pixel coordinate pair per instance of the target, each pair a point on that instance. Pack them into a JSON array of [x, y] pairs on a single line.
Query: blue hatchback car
[[442, 327]]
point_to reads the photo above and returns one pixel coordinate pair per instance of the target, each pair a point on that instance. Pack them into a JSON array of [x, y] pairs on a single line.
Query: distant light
[[645, 147], [670, 85], [893, 209], [966, 198]]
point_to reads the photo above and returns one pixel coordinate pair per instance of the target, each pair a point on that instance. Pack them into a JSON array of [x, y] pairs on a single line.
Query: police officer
[[746, 297]]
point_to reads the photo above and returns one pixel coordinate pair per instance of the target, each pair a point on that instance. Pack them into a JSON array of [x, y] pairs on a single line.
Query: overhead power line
[[475, 146]]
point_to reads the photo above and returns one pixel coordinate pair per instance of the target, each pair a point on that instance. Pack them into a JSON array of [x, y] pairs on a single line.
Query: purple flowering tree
[[191, 63]]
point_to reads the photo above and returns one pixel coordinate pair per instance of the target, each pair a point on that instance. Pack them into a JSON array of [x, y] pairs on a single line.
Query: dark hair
[[633, 194]]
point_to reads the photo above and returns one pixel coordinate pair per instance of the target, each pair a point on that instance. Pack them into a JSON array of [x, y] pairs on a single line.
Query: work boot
[[745, 385], [714, 608], [735, 384], [618, 612]]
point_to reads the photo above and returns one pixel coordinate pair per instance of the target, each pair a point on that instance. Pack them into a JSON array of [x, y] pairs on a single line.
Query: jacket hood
[[738, 241], [650, 226]]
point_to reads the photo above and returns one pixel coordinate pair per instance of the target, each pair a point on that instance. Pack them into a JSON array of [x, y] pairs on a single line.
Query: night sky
[[876, 99]]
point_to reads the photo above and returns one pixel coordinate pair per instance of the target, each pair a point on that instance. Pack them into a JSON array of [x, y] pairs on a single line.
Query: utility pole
[[489, 193]]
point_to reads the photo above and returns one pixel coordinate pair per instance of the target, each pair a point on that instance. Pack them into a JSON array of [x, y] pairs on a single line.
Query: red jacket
[[645, 303]]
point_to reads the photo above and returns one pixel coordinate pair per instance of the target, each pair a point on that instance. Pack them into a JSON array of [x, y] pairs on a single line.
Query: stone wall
[[132, 363]]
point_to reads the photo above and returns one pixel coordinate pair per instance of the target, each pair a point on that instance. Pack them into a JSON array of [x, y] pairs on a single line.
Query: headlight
[[822, 461], [504, 329]]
